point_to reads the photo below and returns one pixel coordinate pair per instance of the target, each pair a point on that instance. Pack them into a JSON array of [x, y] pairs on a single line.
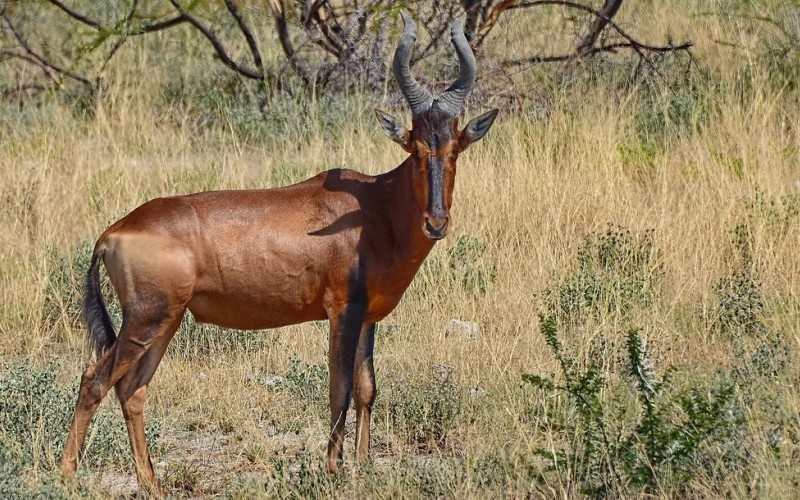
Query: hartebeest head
[[435, 140]]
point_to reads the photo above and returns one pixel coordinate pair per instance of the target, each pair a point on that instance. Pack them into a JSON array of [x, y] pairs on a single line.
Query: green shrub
[[666, 115], [306, 381], [740, 304], [616, 272], [425, 414], [462, 266], [680, 433], [672, 436], [776, 216], [740, 311], [36, 412], [222, 100], [19, 482]]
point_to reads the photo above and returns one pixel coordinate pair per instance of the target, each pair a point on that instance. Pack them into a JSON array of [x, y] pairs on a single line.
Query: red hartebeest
[[340, 246]]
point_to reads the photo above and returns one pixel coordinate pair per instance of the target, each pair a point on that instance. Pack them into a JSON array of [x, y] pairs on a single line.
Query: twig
[[583, 50], [286, 44], [248, 35], [221, 53], [611, 23], [76, 15], [41, 61], [97, 26]]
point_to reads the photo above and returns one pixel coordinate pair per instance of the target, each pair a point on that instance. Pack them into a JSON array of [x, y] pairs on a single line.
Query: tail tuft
[[101, 331]]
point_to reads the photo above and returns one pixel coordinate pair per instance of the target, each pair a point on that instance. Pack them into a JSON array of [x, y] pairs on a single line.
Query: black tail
[[101, 331]]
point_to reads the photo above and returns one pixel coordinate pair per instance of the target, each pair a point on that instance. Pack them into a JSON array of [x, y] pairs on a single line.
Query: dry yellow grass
[[530, 191]]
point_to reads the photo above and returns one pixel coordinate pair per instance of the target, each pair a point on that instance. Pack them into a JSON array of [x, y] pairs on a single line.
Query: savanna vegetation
[[626, 239]]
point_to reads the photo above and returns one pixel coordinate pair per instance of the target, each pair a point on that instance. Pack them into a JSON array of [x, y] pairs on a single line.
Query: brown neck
[[404, 215]]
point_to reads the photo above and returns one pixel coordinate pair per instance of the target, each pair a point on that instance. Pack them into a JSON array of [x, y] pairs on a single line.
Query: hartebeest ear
[[394, 129], [477, 128]]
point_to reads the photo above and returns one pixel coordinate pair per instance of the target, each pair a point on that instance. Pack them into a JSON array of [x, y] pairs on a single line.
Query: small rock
[[466, 329], [271, 381], [268, 381], [477, 392]]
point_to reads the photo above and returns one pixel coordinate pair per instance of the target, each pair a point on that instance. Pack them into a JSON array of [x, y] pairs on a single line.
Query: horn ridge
[[452, 100], [418, 98]]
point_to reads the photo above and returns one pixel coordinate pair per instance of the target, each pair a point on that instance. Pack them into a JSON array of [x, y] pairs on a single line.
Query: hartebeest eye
[[422, 148]]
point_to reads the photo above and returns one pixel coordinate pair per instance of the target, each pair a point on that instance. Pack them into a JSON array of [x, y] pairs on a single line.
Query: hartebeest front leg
[[364, 389], [342, 344]]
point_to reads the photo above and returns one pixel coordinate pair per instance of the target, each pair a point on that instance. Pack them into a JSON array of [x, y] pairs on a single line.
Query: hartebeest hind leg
[[95, 383], [131, 392], [364, 388], [146, 329]]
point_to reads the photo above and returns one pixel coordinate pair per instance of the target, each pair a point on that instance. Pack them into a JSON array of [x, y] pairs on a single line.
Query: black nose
[[436, 229]]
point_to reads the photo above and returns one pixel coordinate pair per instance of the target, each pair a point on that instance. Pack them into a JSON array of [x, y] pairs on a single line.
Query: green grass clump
[[616, 271], [36, 412], [309, 382], [624, 429], [424, 413], [463, 266]]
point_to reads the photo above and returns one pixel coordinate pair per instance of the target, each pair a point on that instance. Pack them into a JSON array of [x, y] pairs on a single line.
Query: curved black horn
[[418, 98], [452, 100]]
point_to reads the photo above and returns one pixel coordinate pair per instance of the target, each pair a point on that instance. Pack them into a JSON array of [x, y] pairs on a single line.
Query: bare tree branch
[[41, 60], [158, 26], [77, 15], [248, 36], [314, 15], [221, 53], [606, 13], [325, 43], [140, 30], [611, 6], [286, 43]]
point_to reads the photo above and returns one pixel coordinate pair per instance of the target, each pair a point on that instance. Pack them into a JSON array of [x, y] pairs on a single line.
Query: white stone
[[466, 329]]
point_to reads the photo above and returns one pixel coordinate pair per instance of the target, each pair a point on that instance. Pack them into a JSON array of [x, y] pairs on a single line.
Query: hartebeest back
[[340, 246]]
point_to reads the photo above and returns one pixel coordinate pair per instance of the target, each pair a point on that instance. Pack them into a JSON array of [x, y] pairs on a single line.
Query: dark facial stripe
[[436, 187]]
